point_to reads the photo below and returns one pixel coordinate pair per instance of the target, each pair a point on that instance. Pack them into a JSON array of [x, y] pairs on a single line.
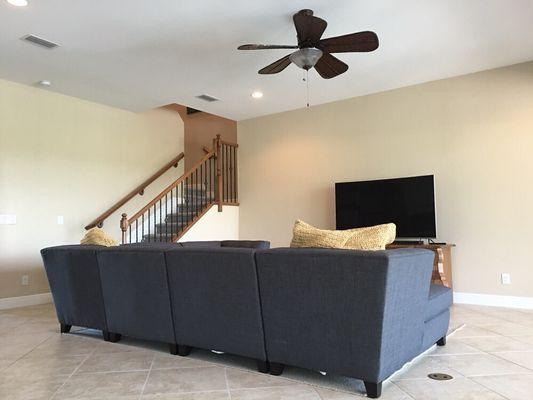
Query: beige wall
[[64, 156], [200, 130], [475, 133]]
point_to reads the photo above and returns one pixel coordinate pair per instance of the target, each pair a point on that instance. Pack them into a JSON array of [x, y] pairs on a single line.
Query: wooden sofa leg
[[184, 350], [373, 390], [263, 366], [276, 368], [442, 341], [111, 337], [65, 328]]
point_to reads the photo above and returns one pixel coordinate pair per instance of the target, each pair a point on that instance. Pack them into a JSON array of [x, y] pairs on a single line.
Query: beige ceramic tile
[[497, 343], [43, 366], [524, 359], [469, 331], [163, 361], [524, 339], [424, 366], [454, 346], [15, 345], [30, 388], [217, 395], [509, 329], [186, 380], [481, 364], [456, 389], [513, 387], [295, 392], [117, 362], [389, 392], [116, 386], [65, 344], [238, 379], [6, 362]]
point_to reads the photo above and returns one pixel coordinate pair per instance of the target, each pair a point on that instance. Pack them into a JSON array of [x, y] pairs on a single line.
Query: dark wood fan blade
[[353, 42], [329, 67], [265, 46], [276, 66], [309, 28]]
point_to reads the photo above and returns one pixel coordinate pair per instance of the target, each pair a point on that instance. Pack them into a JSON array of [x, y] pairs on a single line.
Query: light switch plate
[[60, 220], [8, 219], [506, 278]]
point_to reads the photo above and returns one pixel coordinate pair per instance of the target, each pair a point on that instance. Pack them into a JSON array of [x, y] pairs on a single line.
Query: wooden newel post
[[124, 226], [218, 148]]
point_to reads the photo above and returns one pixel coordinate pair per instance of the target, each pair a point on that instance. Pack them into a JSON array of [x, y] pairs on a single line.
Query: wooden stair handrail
[[138, 190], [171, 186]]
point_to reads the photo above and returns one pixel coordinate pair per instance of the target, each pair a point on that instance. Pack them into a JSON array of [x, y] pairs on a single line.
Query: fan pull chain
[[307, 84]]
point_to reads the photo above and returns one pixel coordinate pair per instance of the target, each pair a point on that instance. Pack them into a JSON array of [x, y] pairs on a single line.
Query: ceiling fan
[[314, 51]]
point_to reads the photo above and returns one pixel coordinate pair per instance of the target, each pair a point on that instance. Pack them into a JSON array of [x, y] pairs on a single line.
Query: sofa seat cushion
[[440, 299]]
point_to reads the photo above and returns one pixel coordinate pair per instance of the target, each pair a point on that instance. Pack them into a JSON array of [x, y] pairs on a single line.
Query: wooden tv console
[[442, 266]]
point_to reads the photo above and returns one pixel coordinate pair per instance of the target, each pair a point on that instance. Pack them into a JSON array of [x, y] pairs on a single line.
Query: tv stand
[[442, 266]]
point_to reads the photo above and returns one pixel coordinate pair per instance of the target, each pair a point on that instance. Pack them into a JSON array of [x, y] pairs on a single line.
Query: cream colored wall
[[215, 225], [475, 133], [64, 156]]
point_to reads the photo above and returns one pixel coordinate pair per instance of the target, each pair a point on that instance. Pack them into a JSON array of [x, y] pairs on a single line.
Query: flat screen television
[[408, 202]]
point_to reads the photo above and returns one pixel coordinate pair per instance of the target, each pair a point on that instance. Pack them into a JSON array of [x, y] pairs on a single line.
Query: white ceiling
[[140, 54]]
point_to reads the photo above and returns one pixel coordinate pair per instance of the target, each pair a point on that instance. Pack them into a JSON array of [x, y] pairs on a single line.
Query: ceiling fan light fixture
[[18, 3], [306, 58]]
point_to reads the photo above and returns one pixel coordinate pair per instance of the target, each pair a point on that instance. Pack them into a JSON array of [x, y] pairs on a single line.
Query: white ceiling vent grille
[[39, 41], [206, 97]]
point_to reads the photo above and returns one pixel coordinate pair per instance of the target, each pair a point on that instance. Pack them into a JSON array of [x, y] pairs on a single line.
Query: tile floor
[[490, 356]]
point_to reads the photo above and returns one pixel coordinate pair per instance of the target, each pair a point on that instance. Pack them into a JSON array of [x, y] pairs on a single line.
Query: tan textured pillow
[[99, 237], [305, 235], [372, 237]]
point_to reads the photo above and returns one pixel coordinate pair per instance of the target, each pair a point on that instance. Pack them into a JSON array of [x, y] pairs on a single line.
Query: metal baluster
[[155, 223], [232, 169], [171, 209], [194, 192], [149, 225], [184, 205]]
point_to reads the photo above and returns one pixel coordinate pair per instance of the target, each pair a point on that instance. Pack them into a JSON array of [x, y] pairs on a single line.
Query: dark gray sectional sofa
[[354, 313]]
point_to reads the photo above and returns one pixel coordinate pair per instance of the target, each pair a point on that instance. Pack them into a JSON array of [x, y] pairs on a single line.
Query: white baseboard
[[493, 300], [25, 301]]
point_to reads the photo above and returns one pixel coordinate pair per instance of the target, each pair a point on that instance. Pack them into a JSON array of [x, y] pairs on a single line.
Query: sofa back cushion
[[74, 279], [135, 290], [215, 300], [348, 312]]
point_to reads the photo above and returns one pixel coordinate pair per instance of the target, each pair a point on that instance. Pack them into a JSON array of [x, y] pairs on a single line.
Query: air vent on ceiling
[[39, 41], [206, 97]]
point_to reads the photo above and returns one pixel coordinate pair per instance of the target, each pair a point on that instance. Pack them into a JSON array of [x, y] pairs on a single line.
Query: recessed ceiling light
[[44, 83], [18, 3], [257, 94]]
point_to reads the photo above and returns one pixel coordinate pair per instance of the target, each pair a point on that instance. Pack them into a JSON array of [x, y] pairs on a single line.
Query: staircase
[[167, 217]]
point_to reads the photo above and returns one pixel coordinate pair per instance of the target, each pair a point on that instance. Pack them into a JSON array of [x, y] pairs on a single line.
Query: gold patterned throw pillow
[[98, 236], [305, 235], [372, 237]]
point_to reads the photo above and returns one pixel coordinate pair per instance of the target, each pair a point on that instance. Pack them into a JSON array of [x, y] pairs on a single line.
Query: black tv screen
[[408, 202]]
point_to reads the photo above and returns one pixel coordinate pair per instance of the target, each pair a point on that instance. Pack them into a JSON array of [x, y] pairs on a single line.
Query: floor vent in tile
[[440, 377]]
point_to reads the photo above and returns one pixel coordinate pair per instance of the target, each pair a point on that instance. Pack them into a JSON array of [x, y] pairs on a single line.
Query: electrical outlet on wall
[[506, 278], [25, 281]]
